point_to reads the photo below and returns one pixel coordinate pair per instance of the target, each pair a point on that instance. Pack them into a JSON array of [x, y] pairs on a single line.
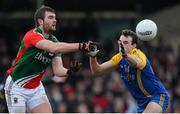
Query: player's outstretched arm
[[96, 68], [61, 47], [100, 69]]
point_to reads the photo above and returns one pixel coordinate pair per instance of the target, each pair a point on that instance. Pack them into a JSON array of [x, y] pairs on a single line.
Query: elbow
[[56, 73], [60, 72], [95, 73], [60, 75], [58, 79]]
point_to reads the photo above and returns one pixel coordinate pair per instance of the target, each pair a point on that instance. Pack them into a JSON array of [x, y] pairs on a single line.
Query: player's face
[[49, 21], [127, 42]]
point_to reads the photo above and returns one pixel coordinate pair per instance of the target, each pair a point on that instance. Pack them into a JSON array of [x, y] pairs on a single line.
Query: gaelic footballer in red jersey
[[39, 48]]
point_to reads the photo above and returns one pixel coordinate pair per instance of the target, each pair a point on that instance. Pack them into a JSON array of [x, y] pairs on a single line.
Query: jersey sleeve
[[31, 39], [141, 55], [57, 55], [116, 59]]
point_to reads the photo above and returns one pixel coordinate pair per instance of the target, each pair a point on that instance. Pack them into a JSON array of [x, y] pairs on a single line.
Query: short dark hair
[[40, 13], [127, 32]]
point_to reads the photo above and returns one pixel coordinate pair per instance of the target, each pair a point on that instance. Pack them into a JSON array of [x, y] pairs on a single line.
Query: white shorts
[[21, 100]]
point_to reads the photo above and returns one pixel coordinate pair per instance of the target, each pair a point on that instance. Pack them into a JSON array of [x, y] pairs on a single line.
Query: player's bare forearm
[[61, 72], [59, 47], [62, 47], [58, 68], [134, 61], [100, 69], [94, 65]]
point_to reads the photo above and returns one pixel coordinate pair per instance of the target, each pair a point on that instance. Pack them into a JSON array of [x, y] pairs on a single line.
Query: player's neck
[[45, 33]]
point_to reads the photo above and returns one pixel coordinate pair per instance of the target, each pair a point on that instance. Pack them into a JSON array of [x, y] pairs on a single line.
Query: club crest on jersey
[[126, 74]]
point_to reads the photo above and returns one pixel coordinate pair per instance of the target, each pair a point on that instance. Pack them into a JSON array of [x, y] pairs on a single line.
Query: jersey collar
[[37, 29]]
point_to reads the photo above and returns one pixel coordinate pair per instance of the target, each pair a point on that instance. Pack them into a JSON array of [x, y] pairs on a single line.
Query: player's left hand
[[121, 49], [93, 49], [74, 67]]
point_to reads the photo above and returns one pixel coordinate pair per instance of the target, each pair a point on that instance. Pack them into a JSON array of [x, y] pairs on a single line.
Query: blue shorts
[[162, 99]]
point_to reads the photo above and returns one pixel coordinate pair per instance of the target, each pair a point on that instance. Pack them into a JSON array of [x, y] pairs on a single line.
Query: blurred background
[[101, 21]]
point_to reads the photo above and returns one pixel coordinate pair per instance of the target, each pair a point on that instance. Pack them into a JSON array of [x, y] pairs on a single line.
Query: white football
[[146, 30]]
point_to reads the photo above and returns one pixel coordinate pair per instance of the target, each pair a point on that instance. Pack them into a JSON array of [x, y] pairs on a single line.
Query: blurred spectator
[[82, 108], [61, 107]]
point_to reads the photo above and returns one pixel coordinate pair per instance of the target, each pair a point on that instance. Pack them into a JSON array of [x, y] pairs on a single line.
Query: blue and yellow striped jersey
[[142, 83]]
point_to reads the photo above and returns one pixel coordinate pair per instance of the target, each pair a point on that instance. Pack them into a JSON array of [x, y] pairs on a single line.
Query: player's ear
[[40, 21]]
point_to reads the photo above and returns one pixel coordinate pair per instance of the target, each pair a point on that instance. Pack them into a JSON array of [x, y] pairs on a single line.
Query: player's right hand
[[84, 46], [121, 49], [91, 48]]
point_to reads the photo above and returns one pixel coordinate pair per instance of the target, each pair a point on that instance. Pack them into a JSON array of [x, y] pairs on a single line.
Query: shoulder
[[34, 33], [116, 59], [32, 37], [138, 53], [141, 53]]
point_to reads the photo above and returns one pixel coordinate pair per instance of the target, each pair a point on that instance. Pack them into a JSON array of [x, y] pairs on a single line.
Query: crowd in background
[[82, 92]]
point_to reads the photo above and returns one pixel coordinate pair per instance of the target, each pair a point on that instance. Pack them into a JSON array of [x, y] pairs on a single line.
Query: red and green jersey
[[31, 62]]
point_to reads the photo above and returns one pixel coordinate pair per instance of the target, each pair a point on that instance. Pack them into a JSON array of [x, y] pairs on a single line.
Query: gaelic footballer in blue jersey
[[137, 74]]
